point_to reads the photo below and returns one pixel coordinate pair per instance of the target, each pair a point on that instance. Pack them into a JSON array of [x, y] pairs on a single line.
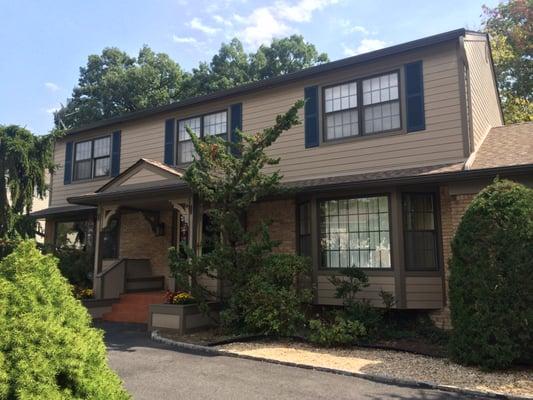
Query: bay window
[[355, 233]]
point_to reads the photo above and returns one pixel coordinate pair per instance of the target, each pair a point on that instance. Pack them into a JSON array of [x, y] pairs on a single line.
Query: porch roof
[[146, 178], [63, 211]]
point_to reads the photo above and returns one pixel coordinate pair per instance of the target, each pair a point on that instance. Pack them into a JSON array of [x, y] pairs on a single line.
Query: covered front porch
[[139, 215]]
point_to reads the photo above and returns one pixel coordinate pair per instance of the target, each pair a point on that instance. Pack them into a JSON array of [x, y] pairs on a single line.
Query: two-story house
[[394, 144]]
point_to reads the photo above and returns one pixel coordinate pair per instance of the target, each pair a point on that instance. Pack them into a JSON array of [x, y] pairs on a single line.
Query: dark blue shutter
[[236, 124], [311, 116], [414, 97], [68, 163], [169, 141], [115, 154]]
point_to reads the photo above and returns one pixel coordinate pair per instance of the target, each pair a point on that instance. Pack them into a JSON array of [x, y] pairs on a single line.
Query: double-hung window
[[381, 103], [185, 147], [340, 103], [92, 158], [214, 124], [420, 233], [355, 233], [362, 107]]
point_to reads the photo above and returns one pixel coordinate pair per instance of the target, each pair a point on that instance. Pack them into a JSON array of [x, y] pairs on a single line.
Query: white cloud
[[265, 23], [51, 86], [221, 20], [365, 46], [303, 10], [197, 24], [261, 26], [348, 28], [181, 39]]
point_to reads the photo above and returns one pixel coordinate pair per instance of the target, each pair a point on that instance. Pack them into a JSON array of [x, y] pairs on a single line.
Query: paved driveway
[[154, 371]]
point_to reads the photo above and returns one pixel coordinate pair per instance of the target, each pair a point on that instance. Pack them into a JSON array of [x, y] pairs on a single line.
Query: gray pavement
[[154, 371]]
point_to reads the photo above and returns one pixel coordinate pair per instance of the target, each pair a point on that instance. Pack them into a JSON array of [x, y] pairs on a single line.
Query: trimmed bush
[[491, 278], [341, 332], [48, 349], [270, 303]]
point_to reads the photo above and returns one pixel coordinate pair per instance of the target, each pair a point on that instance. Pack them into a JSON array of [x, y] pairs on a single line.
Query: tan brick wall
[[282, 213], [452, 209], [138, 241]]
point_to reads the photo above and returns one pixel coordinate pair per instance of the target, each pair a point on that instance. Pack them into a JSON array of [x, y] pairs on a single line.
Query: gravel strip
[[391, 364]]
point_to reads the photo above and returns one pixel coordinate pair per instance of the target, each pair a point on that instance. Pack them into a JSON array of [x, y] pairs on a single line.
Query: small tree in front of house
[[48, 347], [227, 178], [491, 278]]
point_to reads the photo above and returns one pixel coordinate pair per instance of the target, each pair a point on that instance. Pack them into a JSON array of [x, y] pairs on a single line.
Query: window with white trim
[[341, 114], [355, 233], [381, 103], [185, 147], [92, 158], [215, 124]]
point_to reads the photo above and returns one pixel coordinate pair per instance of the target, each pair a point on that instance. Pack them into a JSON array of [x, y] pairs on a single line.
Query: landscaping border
[[371, 377]]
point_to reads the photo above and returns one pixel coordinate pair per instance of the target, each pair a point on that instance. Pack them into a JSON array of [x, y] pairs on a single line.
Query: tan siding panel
[[423, 292], [441, 142], [326, 290], [484, 95]]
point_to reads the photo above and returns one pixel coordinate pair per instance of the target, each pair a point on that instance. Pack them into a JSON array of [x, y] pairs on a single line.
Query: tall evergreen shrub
[[491, 280], [48, 349]]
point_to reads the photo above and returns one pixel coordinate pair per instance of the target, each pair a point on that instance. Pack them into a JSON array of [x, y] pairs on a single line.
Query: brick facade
[[282, 214], [138, 241], [452, 209]]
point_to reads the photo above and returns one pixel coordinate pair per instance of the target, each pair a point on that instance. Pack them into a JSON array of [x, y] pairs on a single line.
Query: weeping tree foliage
[[24, 161], [227, 178]]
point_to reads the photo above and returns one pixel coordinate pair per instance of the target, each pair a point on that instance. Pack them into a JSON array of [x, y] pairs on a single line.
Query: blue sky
[[43, 43]]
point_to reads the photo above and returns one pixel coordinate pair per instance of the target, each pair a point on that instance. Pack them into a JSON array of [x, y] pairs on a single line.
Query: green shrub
[[270, 302], [341, 332], [75, 265], [48, 349], [491, 278]]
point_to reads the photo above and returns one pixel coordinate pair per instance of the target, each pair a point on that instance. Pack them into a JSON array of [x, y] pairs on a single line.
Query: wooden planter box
[[181, 318]]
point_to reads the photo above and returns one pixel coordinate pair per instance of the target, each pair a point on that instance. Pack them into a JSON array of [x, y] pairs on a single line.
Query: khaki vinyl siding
[[326, 290], [440, 143], [423, 292], [483, 92]]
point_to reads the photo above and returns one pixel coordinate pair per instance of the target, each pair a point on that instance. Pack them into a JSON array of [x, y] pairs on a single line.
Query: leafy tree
[[284, 56], [491, 276], [114, 83], [227, 184], [24, 161], [48, 348], [228, 68], [510, 27]]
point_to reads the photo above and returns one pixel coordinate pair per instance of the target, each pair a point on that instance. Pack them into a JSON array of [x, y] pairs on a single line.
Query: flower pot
[[180, 318]]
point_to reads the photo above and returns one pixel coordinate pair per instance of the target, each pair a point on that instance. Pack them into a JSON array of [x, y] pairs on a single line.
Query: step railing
[[127, 275]]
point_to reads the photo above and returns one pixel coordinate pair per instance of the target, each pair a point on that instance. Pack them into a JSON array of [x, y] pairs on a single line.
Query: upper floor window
[[215, 124], [381, 103], [341, 113], [379, 111], [92, 158]]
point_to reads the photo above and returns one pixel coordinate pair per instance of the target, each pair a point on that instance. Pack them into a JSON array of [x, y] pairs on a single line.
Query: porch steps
[[133, 307]]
